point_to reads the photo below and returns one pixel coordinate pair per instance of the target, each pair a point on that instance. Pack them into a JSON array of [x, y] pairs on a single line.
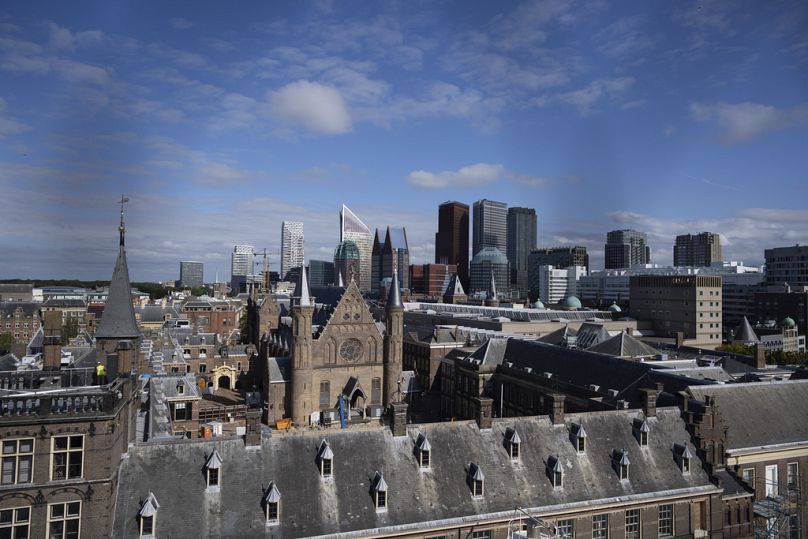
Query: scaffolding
[[779, 514], [525, 526]]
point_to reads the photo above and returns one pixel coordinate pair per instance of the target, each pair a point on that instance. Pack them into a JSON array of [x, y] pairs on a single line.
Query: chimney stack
[[649, 400], [760, 356], [556, 408], [52, 341]]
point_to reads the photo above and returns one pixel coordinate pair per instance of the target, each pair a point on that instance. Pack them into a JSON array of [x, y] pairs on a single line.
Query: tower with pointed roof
[[393, 341], [302, 311], [118, 337], [492, 299]]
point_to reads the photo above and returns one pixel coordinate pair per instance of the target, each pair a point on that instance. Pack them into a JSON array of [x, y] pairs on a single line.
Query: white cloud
[[744, 121], [7, 125], [587, 98], [219, 174], [315, 107], [478, 174]]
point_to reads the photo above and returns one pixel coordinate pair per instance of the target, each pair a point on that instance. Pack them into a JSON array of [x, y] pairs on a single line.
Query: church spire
[[121, 227], [492, 288], [394, 294]]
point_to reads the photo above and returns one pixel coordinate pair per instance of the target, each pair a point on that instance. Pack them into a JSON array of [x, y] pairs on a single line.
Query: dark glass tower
[[452, 239]]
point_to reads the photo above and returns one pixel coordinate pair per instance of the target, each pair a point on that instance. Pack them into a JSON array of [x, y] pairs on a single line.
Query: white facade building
[[291, 246], [555, 284]]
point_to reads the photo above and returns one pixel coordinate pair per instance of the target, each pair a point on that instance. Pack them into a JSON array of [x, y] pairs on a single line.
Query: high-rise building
[[241, 265], [625, 248], [787, 265], [699, 250], [291, 246], [346, 262], [686, 304], [321, 273], [490, 260], [490, 226], [352, 228], [430, 279], [452, 238], [558, 257], [521, 235], [191, 274], [555, 284], [393, 252]]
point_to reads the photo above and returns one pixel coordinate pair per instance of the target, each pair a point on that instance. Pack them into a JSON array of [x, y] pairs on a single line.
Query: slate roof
[[118, 320], [744, 333], [624, 345], [591, 334], [29, 308], [64, 303], [8, 362], [279, 369], [760, 413], [312, 506]]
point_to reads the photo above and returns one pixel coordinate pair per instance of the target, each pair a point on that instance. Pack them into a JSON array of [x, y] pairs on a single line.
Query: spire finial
[[121, 227], [394, 294], [492, 289], [304, 300]]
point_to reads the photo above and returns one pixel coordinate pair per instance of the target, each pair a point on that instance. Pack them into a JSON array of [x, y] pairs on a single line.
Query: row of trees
[[777, 357]]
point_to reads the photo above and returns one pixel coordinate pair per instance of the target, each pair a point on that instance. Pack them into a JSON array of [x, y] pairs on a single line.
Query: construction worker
[[100, 374]]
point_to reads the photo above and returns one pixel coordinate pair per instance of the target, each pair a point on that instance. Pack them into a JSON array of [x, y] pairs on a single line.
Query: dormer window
[[556, 471], [514, 444], [424, 452], [641, 431], [579, 439], [148, 516], [272, 504], [326, 457], [622, 465], [180, 388], [380, 492], [683, 457], [477, 479], [212, 470]]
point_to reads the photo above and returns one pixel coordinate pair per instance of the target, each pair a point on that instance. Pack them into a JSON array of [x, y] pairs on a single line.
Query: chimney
[[52, 341], [680, 339], [485, 406], [760, 356], [253, 436], [556, 408], [649, 399], [398, 418]]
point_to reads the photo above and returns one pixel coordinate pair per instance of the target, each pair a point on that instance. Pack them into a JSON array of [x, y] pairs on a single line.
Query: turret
[[302, 311], [393, 342], [492, 300]]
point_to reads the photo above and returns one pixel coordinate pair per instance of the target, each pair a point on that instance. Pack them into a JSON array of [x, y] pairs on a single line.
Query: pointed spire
[[394, 294], [302, 291], [492, 289], [340, 282], [121, 227]]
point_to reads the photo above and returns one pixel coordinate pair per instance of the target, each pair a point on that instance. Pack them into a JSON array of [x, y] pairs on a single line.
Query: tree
[[737, 348], [6, 340], [70, 329]]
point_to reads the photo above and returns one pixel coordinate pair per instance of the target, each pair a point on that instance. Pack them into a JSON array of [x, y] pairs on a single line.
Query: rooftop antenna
[[121, 227]]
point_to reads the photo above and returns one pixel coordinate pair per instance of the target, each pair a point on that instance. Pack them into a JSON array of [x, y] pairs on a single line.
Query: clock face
[[351, 350]]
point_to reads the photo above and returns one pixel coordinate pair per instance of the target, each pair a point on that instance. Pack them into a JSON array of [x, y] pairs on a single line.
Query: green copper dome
[[789, 322], [615, 308], [571, 302], [538, 304]]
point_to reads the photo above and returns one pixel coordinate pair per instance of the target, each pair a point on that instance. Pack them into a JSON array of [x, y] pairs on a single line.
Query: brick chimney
[[485, 407], [680, 339], [555, 408], [253, 436], [760, 356], [398, 418], [649, 400], [52, 341]]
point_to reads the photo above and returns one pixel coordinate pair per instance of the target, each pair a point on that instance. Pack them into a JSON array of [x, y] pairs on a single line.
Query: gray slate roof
[[744, 333], [624, 345], [118, 320], [29, 308], [760, 413], [312, 506]]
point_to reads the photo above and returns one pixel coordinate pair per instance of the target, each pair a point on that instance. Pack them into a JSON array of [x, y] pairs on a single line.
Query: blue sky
[[220, 122]]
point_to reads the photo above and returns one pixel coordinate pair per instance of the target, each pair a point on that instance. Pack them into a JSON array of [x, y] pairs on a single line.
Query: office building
[[699, 250], [686, 304], [430, 279], [191, 274], [521, 239], [559, 257], [353, 229], [626, 248], [777, 305], [391, 252], [490, 260], [555, 284], [321, 273], [291, 246], [452, 238], [347, 263], [241, 265], [787, 265], [490, 227]]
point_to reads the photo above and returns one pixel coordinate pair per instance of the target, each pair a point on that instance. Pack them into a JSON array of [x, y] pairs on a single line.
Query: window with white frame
[[147, 526], [272, 503], [749, 476], [485, 534], [632, 524], [666, 520], [67, 457], [15, 522], [600, 527], [17, 461], [565, 529], [64, 520], [792, 476]]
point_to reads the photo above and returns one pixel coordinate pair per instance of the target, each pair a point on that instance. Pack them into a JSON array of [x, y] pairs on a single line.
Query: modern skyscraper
[[452, 238], [625, 248], [352, 228], [346, 263], [241, 265], [191, 274], [787, 265], [490, 225], [291, 246], [698, 250], [558, 257], [488, 261], [393, 252], [521, 228], [321, 273]]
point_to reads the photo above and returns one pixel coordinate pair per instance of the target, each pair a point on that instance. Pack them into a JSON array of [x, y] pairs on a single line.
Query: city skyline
[[669, 119]]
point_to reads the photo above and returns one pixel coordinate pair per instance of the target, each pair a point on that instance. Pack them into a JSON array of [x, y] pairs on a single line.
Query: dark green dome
[[615, 308], [571, 302], [789, 322]]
